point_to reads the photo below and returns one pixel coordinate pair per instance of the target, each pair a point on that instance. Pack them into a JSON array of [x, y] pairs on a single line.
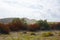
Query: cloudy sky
[[33, 9]]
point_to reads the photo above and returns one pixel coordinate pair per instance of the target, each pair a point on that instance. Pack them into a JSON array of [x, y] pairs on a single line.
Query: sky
[[32, 9]]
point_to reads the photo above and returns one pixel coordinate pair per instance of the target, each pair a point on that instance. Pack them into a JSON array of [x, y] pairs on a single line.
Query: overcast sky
[[33, 9]]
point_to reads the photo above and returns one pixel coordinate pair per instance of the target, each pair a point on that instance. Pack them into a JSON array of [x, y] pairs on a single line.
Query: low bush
[[47, 34], [59, 34], [25, 32], [33, 33]]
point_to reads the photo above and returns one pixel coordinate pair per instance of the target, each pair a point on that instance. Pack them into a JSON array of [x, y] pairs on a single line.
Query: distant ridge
[[29, 21], [8, 20]]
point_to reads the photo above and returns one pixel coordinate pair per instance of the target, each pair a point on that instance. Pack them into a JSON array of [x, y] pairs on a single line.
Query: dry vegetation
[[43, 35]]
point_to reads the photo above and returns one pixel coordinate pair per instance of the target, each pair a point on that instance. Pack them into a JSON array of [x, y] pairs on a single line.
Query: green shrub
[[47, 34], [33, 33]]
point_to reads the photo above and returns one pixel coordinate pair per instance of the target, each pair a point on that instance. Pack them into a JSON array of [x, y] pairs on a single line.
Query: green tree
[[25, 25], [46, 25], [43, 25]]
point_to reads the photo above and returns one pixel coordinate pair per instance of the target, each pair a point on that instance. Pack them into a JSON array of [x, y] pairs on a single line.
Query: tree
[[58, 26], [53, 26], [43, 25], [40, 23], [25, 25], [47, 27], [4, 29], [16, 24], [33, 27]]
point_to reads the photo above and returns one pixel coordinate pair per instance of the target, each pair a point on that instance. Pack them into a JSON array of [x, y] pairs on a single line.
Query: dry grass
[[47, 34], [28, 36]]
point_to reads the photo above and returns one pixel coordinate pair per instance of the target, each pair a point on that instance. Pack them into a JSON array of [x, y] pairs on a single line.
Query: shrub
[[47, 34], [25, 32], [59, 34], [33, 33]]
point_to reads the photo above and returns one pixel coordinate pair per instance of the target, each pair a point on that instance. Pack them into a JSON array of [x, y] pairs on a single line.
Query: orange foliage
[[34, 26], [4, 28]]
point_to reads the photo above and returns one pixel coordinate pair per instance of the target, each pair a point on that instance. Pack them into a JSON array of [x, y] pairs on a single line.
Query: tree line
[[21, 25]]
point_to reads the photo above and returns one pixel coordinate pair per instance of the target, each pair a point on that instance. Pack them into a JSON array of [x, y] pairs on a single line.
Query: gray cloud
[[37, 9]]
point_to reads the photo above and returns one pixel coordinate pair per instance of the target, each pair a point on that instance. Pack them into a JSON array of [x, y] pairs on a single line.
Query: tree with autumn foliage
[[55, 26], [4, 28], [33, 27], [16, 24]]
